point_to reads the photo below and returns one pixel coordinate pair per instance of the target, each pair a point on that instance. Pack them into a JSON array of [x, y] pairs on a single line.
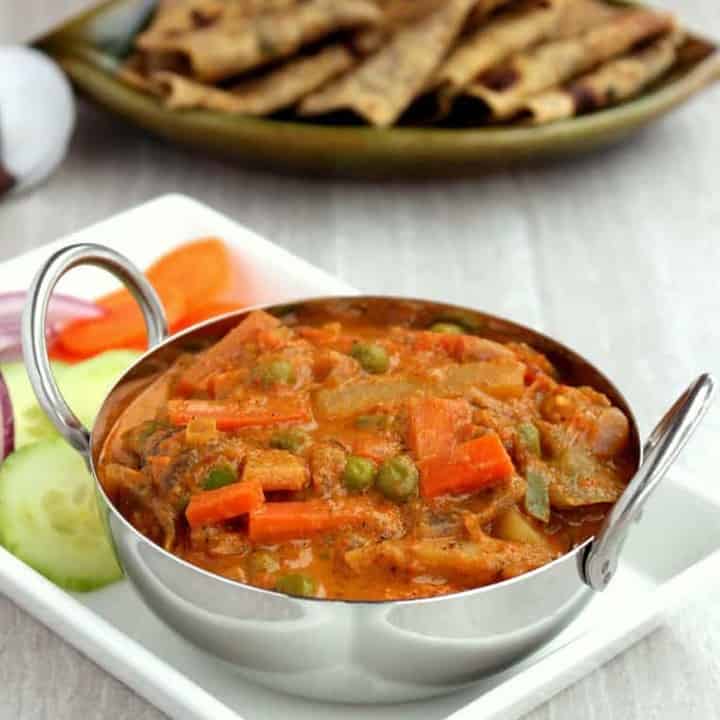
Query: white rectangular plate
[[116, 630]]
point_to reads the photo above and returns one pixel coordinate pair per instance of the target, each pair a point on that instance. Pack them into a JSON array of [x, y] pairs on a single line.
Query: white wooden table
[[618, 254]]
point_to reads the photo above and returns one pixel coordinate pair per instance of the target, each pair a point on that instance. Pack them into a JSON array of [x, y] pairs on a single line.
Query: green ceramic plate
[[90, 47]]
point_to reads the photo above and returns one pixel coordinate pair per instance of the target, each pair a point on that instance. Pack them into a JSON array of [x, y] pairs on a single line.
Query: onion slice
[[7, 421], [62, 308]]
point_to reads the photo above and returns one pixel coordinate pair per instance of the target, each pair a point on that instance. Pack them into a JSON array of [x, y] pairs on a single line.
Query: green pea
[[398, 478], [262, 563], [373, 358], [447, 328], [373, 422], [468, 321], [292, 440], [275, 372], [359, 473], [219, 476], [529, 437], [296, 584]]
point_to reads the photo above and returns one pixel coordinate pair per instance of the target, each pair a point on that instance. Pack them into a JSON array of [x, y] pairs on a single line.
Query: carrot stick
[[202, 270], [122, 326], [435, 424], [475, 465], [232, 415], [186, 279], [220, 355], [280, 521], [213, 506], [58, 352]]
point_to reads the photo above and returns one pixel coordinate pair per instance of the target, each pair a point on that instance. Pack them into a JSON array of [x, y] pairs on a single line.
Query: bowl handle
[[599, 562], [35, 349]]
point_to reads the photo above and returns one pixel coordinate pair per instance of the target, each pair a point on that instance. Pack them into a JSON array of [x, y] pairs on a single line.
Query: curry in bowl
[[366, 452]]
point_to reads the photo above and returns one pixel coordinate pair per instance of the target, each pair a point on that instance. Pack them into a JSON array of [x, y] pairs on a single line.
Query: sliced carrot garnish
[[122, 326], [201, 270]]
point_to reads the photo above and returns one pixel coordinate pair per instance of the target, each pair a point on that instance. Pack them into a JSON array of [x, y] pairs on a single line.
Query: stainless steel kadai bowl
[[341, 650]]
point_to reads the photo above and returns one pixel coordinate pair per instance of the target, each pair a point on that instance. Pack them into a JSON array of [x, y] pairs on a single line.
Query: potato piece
[[327, 462], [200, 431], [513, 525], [276, 470]]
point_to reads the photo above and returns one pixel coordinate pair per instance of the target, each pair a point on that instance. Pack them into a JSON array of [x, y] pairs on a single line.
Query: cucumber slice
[[23, 399], [84, 387], [50, 519]]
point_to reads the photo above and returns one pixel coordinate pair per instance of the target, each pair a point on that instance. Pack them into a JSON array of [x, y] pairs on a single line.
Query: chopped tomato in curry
[[337, 454]]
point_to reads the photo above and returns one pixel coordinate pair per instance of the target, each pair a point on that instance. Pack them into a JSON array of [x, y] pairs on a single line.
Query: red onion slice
[[7, 428], [62, 308]]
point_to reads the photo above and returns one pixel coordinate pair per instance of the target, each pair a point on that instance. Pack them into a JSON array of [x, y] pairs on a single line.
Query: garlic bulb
[[37, 116]]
